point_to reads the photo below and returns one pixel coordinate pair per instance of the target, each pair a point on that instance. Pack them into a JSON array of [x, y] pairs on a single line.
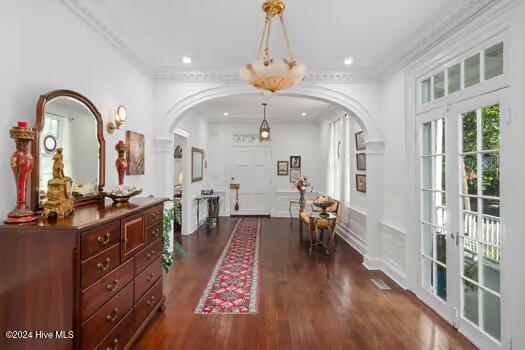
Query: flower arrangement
[[302, 184]]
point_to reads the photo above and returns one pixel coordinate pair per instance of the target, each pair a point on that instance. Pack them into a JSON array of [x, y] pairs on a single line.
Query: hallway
[[306, 302]]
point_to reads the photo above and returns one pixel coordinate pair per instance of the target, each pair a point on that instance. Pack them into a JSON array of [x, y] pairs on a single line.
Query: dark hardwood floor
[[307, 301]]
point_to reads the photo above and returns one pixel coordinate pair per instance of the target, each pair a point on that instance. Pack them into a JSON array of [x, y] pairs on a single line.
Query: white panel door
[[251, 169]]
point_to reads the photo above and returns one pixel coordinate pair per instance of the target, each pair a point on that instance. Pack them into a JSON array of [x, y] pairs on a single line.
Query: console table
[[96, 274], [213, 209]]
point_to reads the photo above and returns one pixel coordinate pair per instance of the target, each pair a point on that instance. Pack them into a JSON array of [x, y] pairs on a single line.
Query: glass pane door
[[480, 222], [433, 211]]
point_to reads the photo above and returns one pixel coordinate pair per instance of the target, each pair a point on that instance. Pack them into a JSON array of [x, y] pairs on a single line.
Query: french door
[[461, 216]]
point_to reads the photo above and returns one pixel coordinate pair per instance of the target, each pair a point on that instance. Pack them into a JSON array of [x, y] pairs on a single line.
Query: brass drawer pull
[[102, 267], [112, 316], [155, 233], [151, 300], [150, 277], [115, 345], [151, 255], [155, 214], [104, 241], [112, 286]]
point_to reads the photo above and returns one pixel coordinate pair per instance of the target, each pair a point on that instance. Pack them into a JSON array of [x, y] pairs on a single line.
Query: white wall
[[197, 128], [50, 48], [303, 140]]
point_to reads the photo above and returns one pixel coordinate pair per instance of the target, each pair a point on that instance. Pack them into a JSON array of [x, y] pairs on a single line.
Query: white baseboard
[[351, 238], [388, 267]]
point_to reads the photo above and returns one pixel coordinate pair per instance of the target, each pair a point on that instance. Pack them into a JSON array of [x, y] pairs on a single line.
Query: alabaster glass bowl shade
[[273, 75]]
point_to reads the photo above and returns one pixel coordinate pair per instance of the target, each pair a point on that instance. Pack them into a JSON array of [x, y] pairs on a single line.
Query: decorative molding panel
[[362, 76], [83, 10], [452, 18]]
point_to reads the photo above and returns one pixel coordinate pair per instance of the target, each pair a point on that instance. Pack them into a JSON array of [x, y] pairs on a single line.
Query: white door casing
[[250, 167]]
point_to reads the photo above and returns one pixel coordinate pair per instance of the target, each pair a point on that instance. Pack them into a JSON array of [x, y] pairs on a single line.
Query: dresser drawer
[[147, 256], [154, 215], [99, 265], [146, 304], [147, 278], [101, 291], [154, 232], [133, 235], [120, 335], [95, 241], [101, 323]]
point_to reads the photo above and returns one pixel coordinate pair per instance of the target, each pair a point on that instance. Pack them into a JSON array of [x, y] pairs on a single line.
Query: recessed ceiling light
[[348, 61], [186, 59], [304, 114], [226, 114]]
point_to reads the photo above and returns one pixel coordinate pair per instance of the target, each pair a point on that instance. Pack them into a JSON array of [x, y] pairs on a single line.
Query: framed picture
[[295, 174], [282, 168], [135, 154], [197, 164], [360, 183], [361, 161], [360, 141], [295, 162]]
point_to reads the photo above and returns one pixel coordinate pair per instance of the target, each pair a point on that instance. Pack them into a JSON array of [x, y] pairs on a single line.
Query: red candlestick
[[21, 165], [121, 163]]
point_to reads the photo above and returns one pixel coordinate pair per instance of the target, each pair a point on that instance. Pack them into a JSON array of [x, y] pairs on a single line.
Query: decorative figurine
[[121, 163], [21, 164], [59, 201]]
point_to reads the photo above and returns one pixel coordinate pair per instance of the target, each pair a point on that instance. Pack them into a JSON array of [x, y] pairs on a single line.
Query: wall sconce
[[120, 118]]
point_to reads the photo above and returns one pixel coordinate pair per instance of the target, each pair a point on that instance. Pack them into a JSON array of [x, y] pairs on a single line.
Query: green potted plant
[[168, 258]]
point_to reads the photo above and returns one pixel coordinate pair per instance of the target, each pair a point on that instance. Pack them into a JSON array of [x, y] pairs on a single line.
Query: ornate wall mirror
[[197, 164], [65, 119]]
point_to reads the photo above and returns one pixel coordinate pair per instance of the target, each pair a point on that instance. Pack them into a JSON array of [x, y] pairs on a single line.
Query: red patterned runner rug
[[233, 287]]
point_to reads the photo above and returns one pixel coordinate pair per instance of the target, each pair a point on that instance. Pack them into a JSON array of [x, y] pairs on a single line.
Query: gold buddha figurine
[[59, 201]]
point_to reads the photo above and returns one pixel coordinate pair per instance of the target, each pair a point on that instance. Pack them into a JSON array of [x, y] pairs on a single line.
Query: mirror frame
[[35, 145], [193, 177]]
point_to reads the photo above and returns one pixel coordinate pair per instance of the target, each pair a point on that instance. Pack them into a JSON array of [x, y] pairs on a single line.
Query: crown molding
[[449, 19], [454, 16], [358, 76], [86, 12]]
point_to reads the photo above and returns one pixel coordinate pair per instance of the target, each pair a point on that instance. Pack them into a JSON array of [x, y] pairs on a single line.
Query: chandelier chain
[[269, 31], [285, 32], [262, 38]]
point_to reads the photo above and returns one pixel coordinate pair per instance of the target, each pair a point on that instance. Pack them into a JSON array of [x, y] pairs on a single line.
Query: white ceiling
[[248, 108], [223, 34]]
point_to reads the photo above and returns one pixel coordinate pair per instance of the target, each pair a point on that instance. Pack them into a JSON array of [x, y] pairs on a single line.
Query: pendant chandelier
[[264, 129], [268, 73]]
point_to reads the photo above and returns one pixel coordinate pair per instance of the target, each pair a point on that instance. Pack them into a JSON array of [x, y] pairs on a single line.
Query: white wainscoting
[[393, 251], [281, 201], [351, 227]]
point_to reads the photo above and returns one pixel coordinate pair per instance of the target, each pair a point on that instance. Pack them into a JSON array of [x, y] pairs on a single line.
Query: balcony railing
[[489, 239]]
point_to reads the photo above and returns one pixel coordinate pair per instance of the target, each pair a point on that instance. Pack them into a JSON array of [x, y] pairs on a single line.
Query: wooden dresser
[[90, 281]]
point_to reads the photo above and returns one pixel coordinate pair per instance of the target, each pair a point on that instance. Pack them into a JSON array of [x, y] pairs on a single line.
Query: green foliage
[[490, 140], [168, 259]]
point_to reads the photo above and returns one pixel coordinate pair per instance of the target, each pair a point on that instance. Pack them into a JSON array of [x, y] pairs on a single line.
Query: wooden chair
[[321, 223]]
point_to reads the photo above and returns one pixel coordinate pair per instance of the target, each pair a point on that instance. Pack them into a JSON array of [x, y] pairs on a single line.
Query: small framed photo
[[360, 141], [361, 161], [295, 174], [360, 183], [282, 168], [295, 162]]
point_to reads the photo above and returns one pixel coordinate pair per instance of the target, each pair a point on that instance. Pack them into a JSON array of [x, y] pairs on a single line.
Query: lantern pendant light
[[264, 129], [268, 73]]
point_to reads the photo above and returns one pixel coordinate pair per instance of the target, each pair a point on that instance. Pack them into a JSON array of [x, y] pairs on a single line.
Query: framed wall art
[[282, 168], [295, 162], [135, 154], [361, 161], [197, 164], [360, 182], [295, 174], [360, 141]]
